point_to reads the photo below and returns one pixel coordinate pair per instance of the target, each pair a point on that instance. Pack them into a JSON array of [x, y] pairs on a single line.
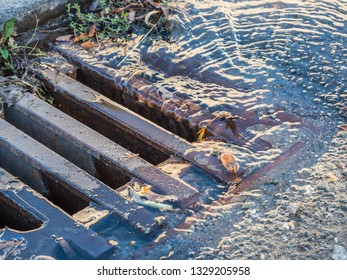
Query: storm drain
[[67, 167]]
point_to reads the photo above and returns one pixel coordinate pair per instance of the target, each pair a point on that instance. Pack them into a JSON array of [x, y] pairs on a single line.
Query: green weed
[[7, 44]]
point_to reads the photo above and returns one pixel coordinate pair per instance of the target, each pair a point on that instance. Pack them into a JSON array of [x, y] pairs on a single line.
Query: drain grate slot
[[54, 189], [14, 217], [108, 88], [125, 127], [34, 163], [26, 210], [91, 151], [44, 127]]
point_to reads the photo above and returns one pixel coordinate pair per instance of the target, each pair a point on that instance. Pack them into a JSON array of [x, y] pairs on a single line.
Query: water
[[280, 65]]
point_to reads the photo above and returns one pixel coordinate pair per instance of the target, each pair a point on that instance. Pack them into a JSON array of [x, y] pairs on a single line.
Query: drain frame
[[40, 160], [90, 150], [105, 116]]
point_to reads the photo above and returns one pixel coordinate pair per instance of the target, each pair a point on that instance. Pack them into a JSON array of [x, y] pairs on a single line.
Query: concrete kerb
[[26, 11]]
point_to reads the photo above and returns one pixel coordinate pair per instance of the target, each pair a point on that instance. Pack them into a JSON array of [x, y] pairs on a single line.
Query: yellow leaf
[[201, 133]]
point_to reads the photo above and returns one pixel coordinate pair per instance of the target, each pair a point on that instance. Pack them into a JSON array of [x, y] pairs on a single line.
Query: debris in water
[[145, 191], [201, 133], [89, 216], [343, 127], [113, 242], [11, 247], [227, 116], [171, 253], [136, 198], [229, 162], [160, 220]]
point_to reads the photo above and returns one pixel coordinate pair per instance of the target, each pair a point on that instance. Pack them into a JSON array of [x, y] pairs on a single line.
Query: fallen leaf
[[229, 162], [145, 189], [92, 30], [88, 45], [343, 127], [65, 38], [201, 133], [80, 37]]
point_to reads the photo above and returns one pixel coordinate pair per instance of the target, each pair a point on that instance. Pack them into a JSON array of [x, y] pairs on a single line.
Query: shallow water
[[280, 65], [234, 54], [256, 59]]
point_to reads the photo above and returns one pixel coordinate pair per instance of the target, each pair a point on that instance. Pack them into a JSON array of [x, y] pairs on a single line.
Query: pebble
[[309, 189], [339, 253], [294, 208], [291, 225]]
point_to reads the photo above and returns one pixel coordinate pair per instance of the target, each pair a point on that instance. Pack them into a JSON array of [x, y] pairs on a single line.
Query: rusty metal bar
[[45, 221], [113, 120], [61, 181], [90, 150]]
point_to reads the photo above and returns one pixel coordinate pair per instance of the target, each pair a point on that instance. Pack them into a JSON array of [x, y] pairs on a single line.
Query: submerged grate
[[79, 160]]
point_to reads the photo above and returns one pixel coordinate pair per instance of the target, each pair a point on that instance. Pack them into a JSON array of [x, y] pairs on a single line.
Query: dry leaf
[[201, 133], [80, 37], [145, 189], [88, 45], [65, 38], [229, 162], [147, 17], [92, 30], [343, 127], [160, 6]]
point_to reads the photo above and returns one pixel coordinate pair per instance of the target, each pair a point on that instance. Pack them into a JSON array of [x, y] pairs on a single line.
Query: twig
[[138, 44]]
